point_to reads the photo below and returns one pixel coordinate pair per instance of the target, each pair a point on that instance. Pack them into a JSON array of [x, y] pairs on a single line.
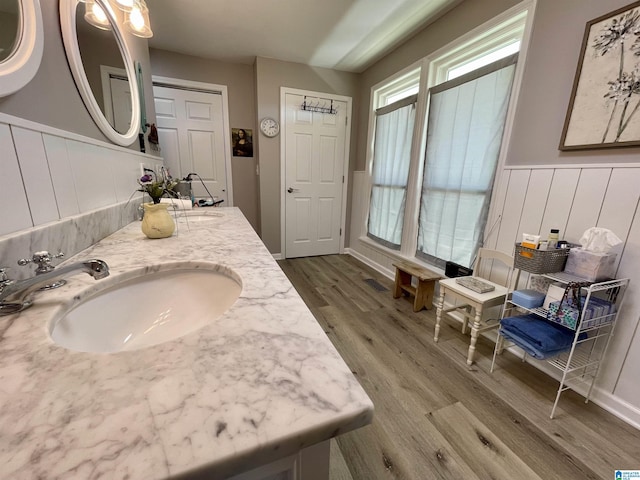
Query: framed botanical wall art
[[605, 100]]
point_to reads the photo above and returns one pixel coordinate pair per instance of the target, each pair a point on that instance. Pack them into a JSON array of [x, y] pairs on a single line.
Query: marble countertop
[[257, 384]]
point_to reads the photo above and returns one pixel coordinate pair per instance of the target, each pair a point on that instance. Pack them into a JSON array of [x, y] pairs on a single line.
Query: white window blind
[[391, 160], [464, 133]]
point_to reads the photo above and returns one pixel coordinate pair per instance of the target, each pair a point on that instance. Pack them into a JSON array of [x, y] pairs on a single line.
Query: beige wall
[[239, 80], [270, 76], [51, 98], [547, 82]]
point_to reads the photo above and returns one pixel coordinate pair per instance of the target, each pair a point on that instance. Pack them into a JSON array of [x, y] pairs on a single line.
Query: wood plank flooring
[[436, 418]]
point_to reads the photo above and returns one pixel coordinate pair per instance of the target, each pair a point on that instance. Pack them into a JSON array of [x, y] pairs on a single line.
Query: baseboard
[[614, 405], [367, 261], [277, 256]]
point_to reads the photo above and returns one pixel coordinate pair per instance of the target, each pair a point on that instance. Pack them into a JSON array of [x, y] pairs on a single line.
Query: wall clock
[[269, 127]]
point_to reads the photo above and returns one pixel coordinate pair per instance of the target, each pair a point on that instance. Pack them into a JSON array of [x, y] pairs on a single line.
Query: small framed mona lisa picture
[[242, 141]]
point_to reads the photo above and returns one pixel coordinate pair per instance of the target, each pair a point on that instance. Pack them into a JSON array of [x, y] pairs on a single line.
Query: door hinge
[[342, 178], [340, 232], [346, 120]]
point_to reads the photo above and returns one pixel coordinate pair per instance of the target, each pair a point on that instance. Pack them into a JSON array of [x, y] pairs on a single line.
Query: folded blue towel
[[530, 349], [538, 333]]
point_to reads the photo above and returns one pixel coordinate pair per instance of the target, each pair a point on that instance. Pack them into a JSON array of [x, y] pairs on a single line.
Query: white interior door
[[191, 132], [116, 94], [121, 104], [314, 175]]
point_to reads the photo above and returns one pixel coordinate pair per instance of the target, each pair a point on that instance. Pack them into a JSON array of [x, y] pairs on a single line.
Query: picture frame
[[242, 142], [604, 110]]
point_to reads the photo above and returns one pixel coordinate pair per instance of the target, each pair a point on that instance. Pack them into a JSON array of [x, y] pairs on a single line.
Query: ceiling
[[347, 35]]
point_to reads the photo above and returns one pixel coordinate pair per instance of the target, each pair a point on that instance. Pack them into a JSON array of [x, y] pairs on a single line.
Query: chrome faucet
[[14, 294]]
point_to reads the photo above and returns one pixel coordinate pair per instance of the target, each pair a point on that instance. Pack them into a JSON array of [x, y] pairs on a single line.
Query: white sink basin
[[146, 310], [196, 217]]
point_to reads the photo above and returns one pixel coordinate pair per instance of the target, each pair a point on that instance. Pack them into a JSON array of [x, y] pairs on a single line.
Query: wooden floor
[[436, 418]]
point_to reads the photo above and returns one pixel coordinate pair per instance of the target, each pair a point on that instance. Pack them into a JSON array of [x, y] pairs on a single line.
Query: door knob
[[292, 190]]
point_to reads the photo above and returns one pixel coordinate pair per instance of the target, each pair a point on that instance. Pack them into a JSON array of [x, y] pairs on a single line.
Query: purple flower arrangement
[[157, 188]]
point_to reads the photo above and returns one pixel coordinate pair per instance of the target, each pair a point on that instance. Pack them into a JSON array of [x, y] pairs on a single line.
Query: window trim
[[482, 40], [395, 84], [386, 87]]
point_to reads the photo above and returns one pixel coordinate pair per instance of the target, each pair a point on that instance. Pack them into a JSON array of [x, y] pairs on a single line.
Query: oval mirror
[[21, 42], [102, 68]]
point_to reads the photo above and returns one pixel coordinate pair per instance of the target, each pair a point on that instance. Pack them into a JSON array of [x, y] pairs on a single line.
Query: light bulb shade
[[137, 20], [94, 14], [125, 5]]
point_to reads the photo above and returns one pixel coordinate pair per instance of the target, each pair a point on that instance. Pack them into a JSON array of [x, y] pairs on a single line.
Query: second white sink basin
[[146, 310], [195, 217]]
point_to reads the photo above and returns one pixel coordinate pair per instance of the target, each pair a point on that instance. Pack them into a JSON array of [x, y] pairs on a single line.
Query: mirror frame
[[23, 63], [68, 11]]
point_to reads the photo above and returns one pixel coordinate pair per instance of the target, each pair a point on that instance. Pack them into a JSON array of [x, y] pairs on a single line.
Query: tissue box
[[591, 266], [527, 298]]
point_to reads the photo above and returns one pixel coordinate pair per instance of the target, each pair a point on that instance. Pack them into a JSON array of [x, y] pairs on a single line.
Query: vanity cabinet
[[592, 328], [311, 463], [256, 393]]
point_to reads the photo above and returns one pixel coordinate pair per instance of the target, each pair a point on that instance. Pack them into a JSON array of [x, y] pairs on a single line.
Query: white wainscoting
[[49, 174], [535, 199]]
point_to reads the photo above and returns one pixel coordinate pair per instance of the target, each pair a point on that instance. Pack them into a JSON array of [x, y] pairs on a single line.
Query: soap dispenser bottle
[[553, 238]]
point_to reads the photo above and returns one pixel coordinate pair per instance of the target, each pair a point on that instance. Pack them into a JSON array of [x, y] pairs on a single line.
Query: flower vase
[[157, 223]]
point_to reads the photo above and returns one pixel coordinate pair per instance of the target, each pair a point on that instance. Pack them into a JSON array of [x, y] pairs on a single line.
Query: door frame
[[207, 88], [345, 168]]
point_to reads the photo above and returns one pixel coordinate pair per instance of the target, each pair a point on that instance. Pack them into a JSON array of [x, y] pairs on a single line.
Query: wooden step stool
[[426, 284]]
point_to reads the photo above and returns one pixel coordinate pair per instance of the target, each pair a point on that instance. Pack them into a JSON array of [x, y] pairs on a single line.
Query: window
[[404, 85], [392, 157], [464, 134], [413, 90], [394, 126], [431, 187], [484, 60]]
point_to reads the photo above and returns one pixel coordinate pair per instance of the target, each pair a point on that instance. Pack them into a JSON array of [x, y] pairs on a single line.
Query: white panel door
[[120, 104], [191, 133], [314, 165]]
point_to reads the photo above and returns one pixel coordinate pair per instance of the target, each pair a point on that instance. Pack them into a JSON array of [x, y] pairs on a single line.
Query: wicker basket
[[540, 261]]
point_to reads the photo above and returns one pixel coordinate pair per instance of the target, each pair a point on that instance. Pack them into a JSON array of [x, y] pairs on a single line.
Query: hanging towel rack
[[310, 107]]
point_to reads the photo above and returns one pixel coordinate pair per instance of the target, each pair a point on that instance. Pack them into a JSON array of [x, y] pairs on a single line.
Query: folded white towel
[[178, 203]]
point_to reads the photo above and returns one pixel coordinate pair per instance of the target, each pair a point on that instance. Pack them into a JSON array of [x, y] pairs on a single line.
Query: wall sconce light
[[94, 14], [137, 19], [136, 16], [125, 5]]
